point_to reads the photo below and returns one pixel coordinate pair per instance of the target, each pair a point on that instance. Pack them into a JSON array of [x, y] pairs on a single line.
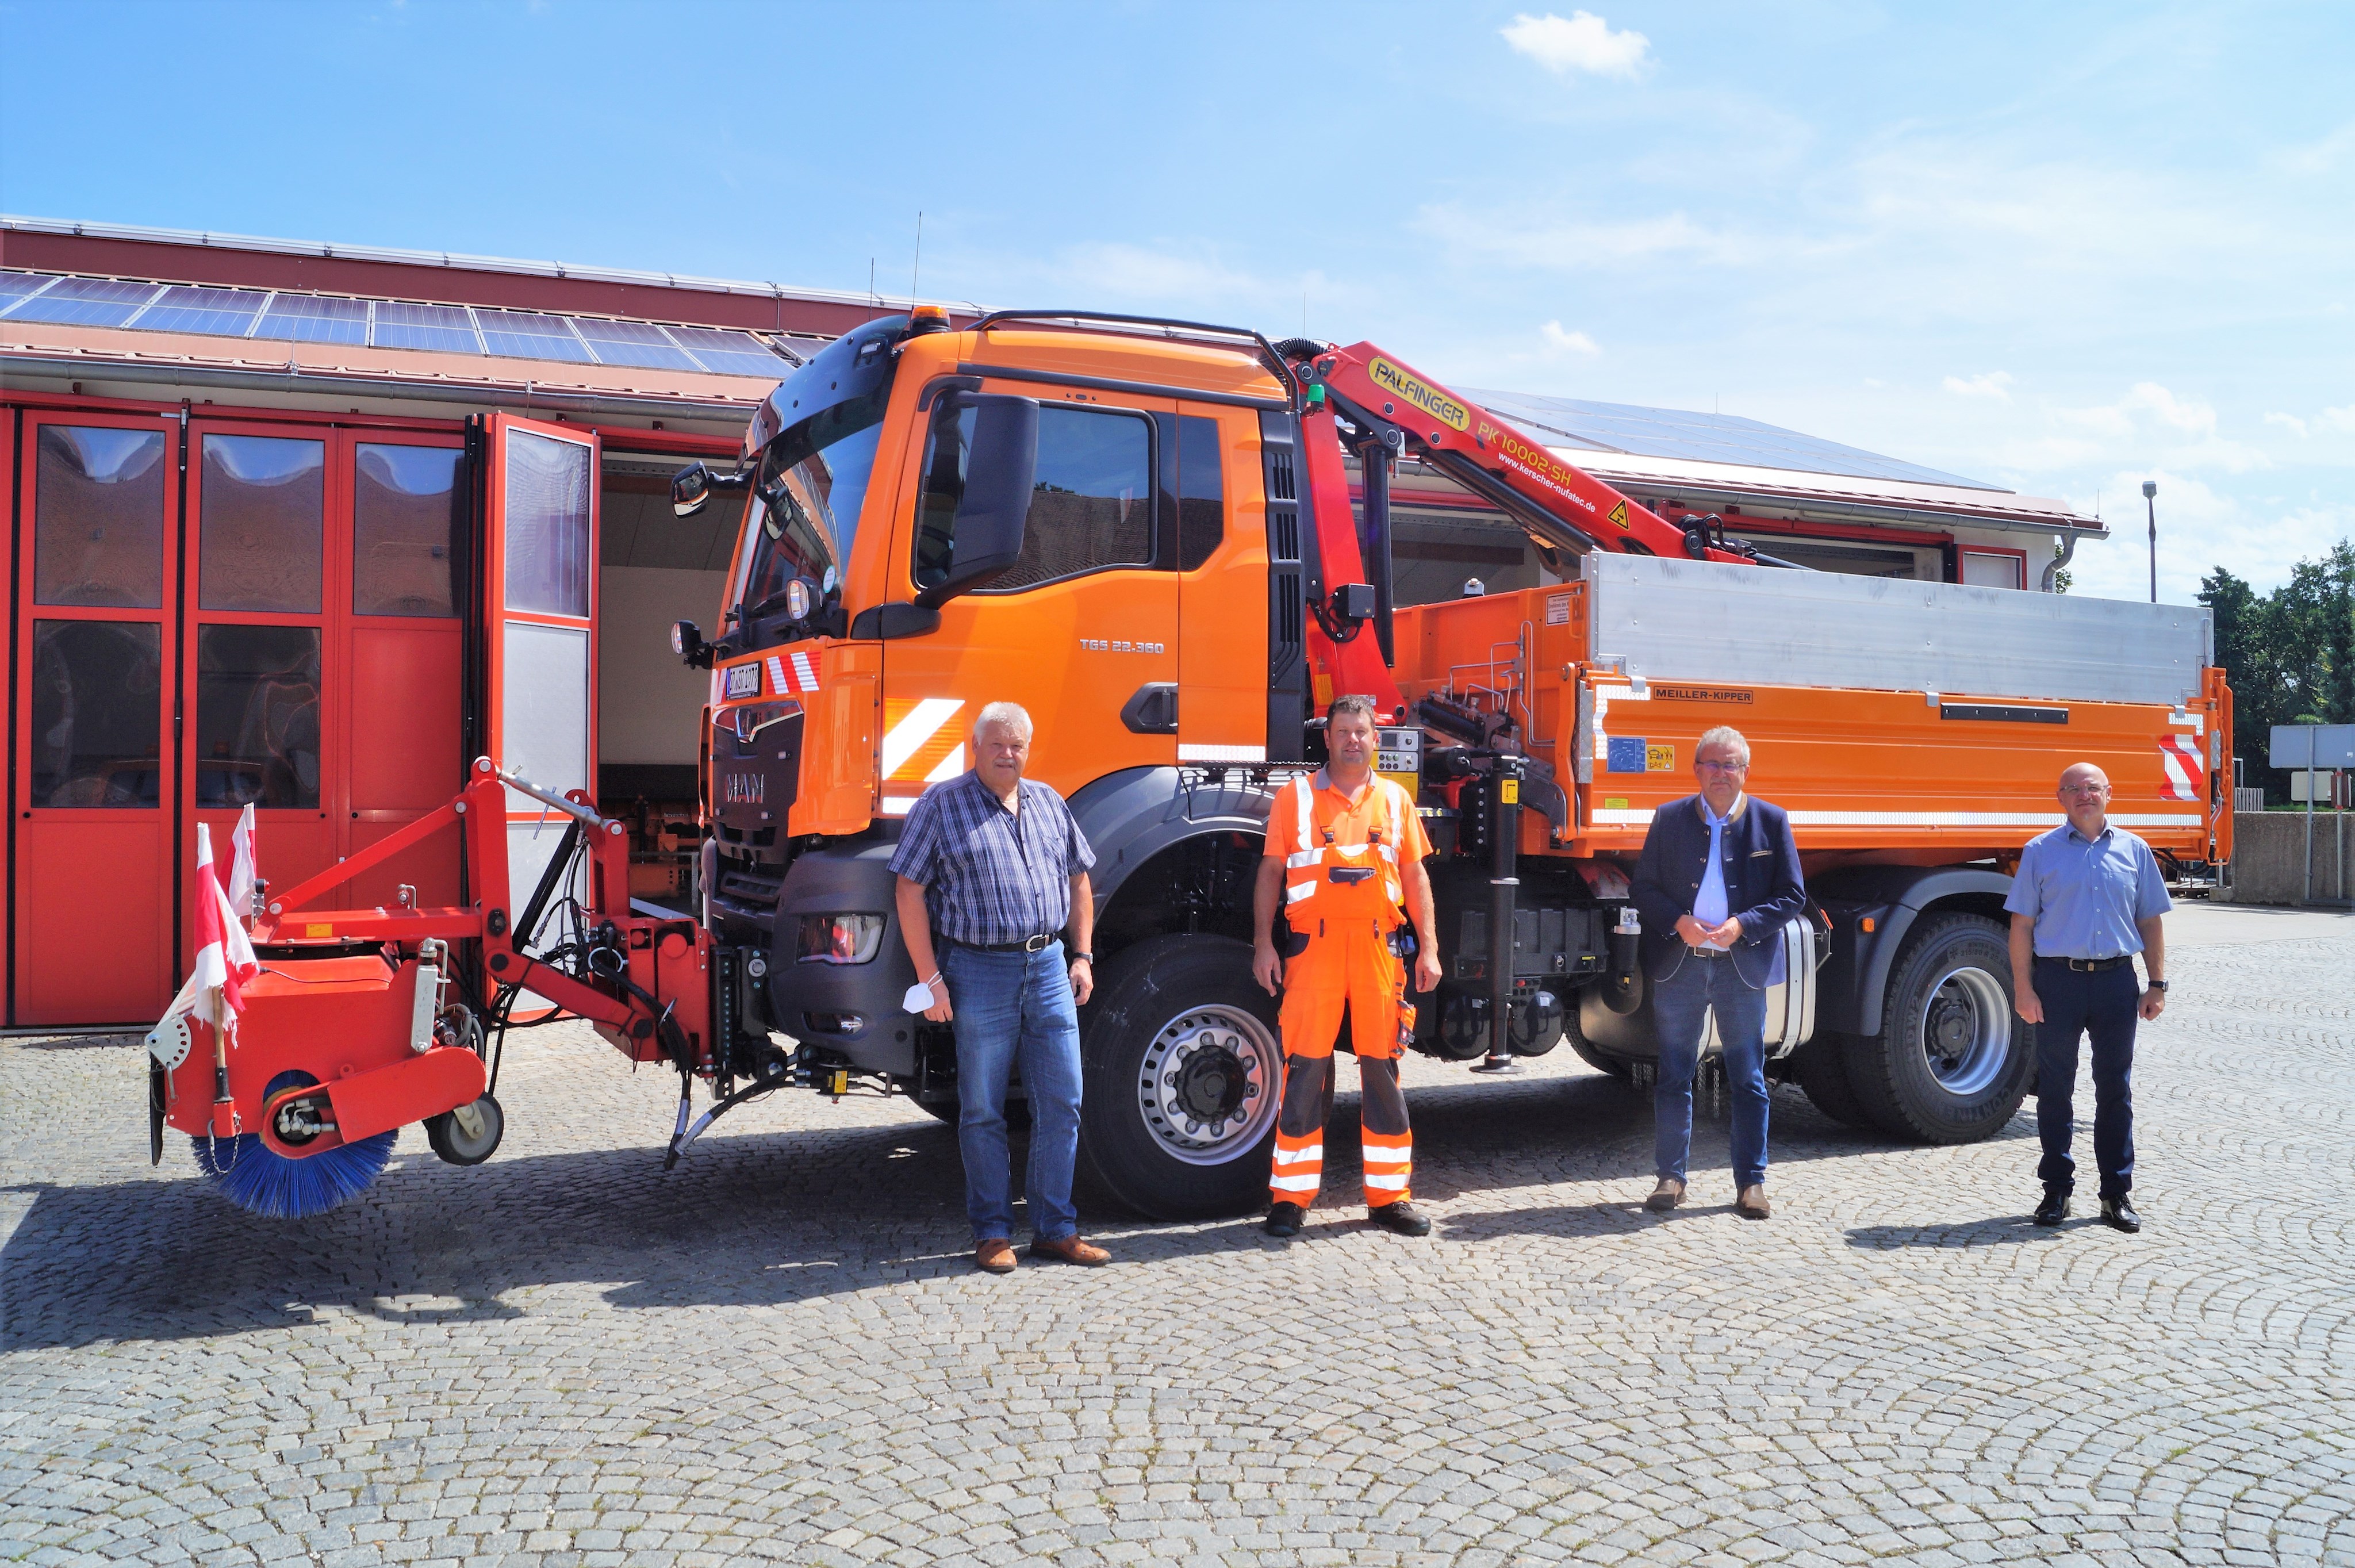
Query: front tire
[[1821, 1068], [1183, 1066], [1953, 1060]]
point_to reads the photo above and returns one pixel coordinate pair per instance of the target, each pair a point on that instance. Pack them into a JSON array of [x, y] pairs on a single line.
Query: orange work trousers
[[1351, 972]]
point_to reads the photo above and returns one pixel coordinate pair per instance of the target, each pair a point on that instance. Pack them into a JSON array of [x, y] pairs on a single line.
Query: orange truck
[[1143, 531]]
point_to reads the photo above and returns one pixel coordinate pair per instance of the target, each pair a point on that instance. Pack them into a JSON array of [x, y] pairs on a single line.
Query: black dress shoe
[[1401, 1217], [2053, 1210], [2118, 1215], [1284, 1220]]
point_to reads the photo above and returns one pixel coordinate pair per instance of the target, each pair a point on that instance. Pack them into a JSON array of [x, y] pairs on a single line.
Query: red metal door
[[96, 663], [539, 596]]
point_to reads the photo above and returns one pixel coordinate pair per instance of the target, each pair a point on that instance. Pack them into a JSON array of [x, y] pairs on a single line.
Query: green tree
[[2289, 654]]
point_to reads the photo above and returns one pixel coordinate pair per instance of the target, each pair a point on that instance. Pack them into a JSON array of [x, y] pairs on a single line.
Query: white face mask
[[919, 997]]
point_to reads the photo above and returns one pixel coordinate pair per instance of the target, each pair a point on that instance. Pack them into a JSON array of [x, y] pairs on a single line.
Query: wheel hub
[[1209, 1083], [1967, 1035]]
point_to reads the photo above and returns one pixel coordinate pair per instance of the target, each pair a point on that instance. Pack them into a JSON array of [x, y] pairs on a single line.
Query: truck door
[[1081, 631], [539, 586]]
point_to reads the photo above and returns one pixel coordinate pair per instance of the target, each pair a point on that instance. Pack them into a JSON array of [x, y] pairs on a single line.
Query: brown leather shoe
[[1665, 1196], [1753, 1204], [1069, 1250], [995, 1255]]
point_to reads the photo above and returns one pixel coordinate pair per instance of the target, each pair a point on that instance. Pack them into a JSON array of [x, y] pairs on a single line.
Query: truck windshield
[[813, 481]]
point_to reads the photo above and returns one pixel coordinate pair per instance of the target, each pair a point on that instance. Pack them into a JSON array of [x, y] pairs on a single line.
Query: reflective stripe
[[1292, 895], [1295, 1155], [1307, 858], [1307, 807], [1385, 1183], [909, 735], [1294, 1183], [950, 765]]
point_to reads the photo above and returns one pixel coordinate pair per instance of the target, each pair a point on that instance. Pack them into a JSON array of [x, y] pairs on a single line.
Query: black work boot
[[1401, 1217], [1283, 1220], [2118, 1214]]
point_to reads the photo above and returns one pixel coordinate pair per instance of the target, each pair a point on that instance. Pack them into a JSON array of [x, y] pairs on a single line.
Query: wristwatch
[[1090, 959], [2155, 985]]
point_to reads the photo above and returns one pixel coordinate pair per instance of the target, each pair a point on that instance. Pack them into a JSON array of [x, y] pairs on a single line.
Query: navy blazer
[[1764, 888]]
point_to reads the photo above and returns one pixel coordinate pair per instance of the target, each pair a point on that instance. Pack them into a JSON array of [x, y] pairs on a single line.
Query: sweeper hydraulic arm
[[364, 1020]]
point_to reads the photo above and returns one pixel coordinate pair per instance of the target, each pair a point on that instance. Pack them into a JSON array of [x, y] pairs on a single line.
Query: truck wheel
[[1586, 1052], [1952, 1061], [1821, 1068], [1184, 1068]]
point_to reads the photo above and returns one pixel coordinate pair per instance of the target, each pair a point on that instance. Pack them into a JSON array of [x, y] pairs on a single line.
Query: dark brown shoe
[[1069, 1250], [1753, 1204], [1665, 1196], [995, 1256]]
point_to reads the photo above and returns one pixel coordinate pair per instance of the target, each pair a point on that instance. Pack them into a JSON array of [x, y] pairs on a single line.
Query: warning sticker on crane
[[1429, 399], [1619, 513]]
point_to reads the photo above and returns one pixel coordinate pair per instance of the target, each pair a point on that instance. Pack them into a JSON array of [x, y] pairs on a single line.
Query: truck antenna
[[917, 270]]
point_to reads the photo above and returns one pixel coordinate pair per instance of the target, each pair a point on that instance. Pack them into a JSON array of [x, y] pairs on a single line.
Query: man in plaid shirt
[[992, 866]]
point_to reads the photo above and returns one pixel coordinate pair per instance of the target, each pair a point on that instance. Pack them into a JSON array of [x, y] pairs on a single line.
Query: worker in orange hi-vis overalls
[[1343, 862]]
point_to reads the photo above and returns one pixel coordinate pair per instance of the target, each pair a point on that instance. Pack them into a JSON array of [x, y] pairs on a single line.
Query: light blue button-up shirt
[[1709, 904], [2085, 894]]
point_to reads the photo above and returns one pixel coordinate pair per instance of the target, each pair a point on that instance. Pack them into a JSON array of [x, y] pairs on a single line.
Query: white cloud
[[1556, 341], [2199, 528], [2337, 418], [1994, 384], [2289, 423], [1583, 42]]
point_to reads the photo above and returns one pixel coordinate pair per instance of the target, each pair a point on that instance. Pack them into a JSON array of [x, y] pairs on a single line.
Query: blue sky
[[2065, 248]]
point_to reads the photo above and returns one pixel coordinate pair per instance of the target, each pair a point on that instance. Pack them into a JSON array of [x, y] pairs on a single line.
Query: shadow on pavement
[[756, 1219]]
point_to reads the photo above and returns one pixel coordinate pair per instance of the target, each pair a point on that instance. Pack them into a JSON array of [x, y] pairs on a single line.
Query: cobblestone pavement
[[780, 1352]]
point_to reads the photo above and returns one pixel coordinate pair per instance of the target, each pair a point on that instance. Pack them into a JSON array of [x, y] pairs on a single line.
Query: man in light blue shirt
[[2087, 897]]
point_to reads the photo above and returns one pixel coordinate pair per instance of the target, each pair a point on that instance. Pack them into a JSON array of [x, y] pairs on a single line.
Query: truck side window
[[1202, 492], [1091, 503]]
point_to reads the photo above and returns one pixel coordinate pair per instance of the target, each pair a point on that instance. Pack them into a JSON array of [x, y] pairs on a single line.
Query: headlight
[[840, 938]]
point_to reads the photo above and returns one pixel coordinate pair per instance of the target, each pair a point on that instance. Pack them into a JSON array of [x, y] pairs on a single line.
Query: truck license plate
[[744, 679]]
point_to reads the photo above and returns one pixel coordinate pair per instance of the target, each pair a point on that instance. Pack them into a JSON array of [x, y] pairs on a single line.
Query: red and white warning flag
[[237, 876], [215, 989]]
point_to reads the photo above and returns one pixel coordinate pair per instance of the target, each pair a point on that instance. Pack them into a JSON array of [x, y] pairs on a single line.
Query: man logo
[[744, 789]]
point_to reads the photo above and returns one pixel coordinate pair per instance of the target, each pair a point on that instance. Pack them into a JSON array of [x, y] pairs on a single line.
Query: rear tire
[[1184, 1067], [1952, 1061], [1611, 1066], [1821, 1068]]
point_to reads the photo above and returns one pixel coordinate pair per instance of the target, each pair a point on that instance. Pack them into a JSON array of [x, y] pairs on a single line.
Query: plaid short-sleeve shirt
[[991, 875]]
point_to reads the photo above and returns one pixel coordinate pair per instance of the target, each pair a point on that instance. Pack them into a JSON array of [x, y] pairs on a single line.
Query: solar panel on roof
[[1638, 432], [439, 328], [730, 353], [85, 302], [15, 286], [528, 334], [632, 343], [220, 313], [308, 318]]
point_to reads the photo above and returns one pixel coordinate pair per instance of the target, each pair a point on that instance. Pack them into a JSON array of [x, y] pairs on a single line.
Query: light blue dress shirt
[[1709, 904], [2085, 894]]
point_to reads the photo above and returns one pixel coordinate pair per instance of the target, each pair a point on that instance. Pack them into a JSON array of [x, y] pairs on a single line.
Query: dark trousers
[[2100, 1004]]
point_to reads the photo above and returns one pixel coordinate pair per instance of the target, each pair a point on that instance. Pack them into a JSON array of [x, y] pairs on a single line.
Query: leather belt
[[2086, 965], [1028, 945]]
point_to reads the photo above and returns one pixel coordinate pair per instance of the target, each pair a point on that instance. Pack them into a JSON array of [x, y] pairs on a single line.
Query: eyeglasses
[[1713, 765], [2085, 789]]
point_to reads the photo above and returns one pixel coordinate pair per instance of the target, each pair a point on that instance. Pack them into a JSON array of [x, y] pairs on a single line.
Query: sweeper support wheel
[[468, 1134]]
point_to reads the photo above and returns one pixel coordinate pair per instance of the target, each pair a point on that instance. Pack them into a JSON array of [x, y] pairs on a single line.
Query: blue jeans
[[1679, 1005], [1010, 1008], [2105, 1006]]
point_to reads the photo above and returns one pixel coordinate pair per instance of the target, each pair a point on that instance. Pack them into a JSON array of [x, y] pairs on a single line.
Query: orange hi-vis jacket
[[1341, 859]]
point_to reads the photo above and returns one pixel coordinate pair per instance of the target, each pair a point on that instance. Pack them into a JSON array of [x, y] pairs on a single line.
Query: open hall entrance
[[326, 619]]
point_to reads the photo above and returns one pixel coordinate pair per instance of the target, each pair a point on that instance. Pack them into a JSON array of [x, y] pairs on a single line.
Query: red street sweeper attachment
[[349, 1024]]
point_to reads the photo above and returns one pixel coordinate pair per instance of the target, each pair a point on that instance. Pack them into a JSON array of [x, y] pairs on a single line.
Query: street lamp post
[[2150, 491]]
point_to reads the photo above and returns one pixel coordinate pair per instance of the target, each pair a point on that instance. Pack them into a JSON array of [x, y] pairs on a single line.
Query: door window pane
[[547, 524], [258, 716], [1091, 502], [98, 517], [264, 516], [406, 524], [97, 714]]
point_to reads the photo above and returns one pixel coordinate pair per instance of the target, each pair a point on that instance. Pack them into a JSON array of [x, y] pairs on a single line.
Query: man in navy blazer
[[1718, 881]]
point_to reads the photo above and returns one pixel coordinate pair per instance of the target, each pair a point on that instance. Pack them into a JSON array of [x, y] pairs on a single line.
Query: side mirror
[[689, 488], [1001, 463], [687, 642]]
